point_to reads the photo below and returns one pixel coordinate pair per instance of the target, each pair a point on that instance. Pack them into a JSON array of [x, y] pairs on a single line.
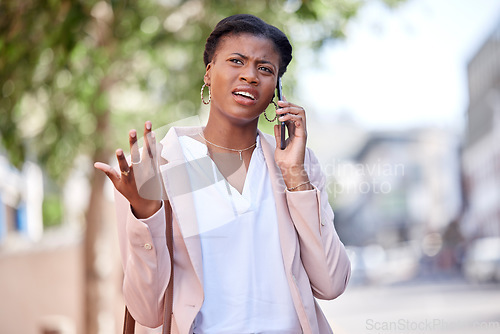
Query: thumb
[[112, 173], [277, 134]]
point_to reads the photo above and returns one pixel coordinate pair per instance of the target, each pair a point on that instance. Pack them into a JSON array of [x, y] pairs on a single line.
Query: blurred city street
[[402, 99], [418, 306]]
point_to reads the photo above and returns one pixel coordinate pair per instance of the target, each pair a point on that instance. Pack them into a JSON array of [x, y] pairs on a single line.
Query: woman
[[254, 240]]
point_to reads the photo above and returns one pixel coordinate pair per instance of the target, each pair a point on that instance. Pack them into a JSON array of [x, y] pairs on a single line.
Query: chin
[[242, 114], [242, 119]]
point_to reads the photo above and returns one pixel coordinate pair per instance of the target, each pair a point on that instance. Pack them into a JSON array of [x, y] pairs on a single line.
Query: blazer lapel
[[177, 185], [285, 226]]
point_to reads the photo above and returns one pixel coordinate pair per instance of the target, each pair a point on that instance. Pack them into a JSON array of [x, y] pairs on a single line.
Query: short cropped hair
[[245, 23]]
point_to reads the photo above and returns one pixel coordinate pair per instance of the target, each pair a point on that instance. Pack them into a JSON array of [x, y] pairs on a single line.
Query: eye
[[236, 61], [266, 69]]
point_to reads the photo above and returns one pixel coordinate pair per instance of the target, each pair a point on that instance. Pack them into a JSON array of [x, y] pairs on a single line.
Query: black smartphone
[[279, 92]]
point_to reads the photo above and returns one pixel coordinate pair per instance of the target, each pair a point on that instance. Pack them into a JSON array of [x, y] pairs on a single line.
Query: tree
[[67, 65]]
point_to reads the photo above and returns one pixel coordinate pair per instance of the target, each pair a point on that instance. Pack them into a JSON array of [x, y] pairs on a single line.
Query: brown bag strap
[[129, 321], [169, 294]]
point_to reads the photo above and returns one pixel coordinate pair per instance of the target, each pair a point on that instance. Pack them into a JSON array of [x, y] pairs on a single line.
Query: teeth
[[246, 94]]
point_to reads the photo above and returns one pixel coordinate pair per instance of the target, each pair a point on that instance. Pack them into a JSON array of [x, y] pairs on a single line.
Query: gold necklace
[[227, 148]]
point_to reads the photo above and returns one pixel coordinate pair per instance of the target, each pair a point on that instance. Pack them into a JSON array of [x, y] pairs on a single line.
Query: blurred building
[[481, 154], [43, 281], [399, 187], [21, 197]]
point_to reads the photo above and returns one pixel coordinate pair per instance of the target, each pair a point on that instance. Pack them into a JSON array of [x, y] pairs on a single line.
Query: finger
[[112, 173], [147, 148], [135, 156], [277, 134], [283, 104], [291, 118], [291, 129], [152, 144], [286, 107], [122, 162], [294, 115]]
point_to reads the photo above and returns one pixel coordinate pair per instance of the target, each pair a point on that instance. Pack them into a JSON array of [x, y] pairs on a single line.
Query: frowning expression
[[242, 77]]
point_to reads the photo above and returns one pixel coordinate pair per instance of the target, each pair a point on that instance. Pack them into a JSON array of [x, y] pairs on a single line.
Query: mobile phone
[[279, 92]]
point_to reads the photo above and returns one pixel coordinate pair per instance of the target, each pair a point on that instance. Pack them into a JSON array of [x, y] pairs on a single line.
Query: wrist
[[297, 179], [294, 174], [306, 185], [144, 208]]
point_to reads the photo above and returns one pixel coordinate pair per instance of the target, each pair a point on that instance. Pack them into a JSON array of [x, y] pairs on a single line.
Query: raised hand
[[139, 181], [291, 159]]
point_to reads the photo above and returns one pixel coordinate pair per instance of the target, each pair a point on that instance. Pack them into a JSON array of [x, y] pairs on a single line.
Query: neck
[[230, 135]]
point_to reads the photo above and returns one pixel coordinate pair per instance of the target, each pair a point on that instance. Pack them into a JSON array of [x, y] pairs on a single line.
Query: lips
[[245, 95]]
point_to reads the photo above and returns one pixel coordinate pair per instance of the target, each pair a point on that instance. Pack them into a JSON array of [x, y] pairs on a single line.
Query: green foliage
[[52, 210], [75, 75]]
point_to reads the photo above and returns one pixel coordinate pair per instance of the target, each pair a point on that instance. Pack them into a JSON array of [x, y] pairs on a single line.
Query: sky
[[401, 68]]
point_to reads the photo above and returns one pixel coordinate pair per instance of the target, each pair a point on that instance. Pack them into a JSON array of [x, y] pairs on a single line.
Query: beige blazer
[[315, 260]]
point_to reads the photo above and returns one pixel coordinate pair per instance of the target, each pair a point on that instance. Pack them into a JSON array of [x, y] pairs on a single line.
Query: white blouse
[[244, 282]]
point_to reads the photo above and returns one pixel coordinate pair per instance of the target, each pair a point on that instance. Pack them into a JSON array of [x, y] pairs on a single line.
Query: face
[[242, 77]]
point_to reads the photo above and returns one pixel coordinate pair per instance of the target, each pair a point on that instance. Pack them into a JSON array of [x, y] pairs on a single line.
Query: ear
[[207, 77]]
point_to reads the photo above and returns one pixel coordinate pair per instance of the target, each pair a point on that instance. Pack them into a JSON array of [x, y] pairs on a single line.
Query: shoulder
[[170, 146], [179, 131]]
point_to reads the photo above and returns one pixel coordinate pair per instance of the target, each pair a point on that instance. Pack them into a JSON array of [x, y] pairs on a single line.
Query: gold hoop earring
[[209, 94], [275, 116]]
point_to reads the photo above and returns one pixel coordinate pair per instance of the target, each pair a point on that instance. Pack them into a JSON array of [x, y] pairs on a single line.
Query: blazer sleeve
[[145, 261], [323, 254]]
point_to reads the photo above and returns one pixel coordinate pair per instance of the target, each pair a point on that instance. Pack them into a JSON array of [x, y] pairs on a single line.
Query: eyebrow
[[259, 60]]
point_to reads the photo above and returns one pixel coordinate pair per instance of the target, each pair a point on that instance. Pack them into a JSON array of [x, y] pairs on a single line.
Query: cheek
[[221, 82], [270, 92]]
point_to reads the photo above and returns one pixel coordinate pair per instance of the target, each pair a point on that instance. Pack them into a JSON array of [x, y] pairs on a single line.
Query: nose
[[249, 75]]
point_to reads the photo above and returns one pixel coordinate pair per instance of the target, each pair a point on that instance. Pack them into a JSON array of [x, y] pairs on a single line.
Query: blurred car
[[482, 260], [358, 266], [372, 264]]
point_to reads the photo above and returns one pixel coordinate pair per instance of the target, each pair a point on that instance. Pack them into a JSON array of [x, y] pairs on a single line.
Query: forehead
[[249, 45]]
